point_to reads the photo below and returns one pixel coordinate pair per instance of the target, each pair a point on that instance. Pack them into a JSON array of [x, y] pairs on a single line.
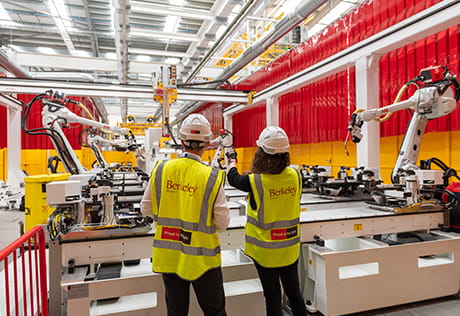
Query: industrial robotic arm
[[437, 95], [224, 144], [56, 115], [95, 140], [105, 199]]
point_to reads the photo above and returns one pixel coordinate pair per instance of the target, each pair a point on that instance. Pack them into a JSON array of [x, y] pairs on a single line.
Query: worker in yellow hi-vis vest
[[187, 201], [272, 228]]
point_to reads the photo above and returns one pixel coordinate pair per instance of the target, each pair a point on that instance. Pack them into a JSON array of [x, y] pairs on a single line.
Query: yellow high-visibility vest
[[183, 195], [272, 229]]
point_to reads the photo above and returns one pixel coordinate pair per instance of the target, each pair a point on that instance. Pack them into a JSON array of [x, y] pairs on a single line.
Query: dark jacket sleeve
[[238, 181], [241, 183]]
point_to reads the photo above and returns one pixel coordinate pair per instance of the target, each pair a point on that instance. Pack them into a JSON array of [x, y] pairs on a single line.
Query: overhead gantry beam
[[35, 86]]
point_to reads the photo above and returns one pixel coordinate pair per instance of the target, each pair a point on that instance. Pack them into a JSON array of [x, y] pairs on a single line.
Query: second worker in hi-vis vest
[[187, 201], [272, 228]]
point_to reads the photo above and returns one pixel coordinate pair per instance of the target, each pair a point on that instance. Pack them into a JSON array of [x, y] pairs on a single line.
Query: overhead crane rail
[[36, 86]]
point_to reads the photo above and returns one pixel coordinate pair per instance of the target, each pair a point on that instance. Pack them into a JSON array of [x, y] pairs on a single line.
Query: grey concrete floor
[[10, 222], [447, 306]]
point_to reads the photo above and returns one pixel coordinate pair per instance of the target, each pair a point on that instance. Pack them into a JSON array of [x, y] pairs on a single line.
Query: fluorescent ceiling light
[[46, 50], [220, 31], [111, 55], [339, 10], [177, 2], [17, 48], [336, 12], [62, 20], [166, 36], [83, 53], [59, 9], [165, 9], [112, 15], [289, 6], [151, 52], [5, 18], [173, 61], [143, 58], [170, 23]]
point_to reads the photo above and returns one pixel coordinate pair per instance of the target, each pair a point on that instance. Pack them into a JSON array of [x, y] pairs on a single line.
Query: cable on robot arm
[[80, 137], [54, 135], [82, 106], [360, 116]]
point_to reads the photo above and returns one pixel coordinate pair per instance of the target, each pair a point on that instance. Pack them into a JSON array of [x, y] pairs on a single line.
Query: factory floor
[[11, 221]]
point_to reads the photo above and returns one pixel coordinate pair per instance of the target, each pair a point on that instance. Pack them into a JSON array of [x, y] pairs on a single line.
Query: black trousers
[[209, 290], [270, 279]]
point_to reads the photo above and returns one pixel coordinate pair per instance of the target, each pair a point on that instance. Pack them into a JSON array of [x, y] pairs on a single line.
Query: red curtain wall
[[403, 64], [213, 112], [35, 121], [3, 134], [320, 111], [247, 126]]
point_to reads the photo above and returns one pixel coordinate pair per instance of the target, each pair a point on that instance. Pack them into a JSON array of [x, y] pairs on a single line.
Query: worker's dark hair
[[193, 144], [270, 164]]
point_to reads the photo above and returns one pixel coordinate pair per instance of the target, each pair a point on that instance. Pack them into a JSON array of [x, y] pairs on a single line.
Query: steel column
[[272, 112], [15, 175], [367, 97]]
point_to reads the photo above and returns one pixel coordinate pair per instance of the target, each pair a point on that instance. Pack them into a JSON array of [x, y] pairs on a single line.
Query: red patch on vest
[[170, 233], [278, 234], [177, 234], [283, 233]]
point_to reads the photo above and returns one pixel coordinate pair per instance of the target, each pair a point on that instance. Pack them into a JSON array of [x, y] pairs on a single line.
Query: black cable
[[56, 138], [456, 85], [80, 136], [448, 171], [183, 85], [170, 132]]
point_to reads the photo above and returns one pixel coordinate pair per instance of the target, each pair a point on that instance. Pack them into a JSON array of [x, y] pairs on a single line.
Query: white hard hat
[[195, 127], [273, 140]]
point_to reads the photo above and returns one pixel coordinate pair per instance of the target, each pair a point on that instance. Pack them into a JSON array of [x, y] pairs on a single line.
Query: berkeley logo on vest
[[282, 191], [284, 233], [172, 186], [177, 234]]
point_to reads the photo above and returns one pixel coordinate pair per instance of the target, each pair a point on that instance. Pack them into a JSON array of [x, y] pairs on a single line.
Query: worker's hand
[[231, 156]]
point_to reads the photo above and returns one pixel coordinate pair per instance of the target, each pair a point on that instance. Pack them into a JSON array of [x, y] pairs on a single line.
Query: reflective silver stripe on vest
[[158, 175], [261, 213], [174, 222], [277, 224], [299, 177], [260, 191], [188, 250], [272, 244], [199, 227], [207, 194]]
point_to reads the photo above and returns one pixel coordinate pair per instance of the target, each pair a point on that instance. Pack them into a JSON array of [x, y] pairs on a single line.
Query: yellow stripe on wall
[[35, 161], [3, 174], [443, 145]]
